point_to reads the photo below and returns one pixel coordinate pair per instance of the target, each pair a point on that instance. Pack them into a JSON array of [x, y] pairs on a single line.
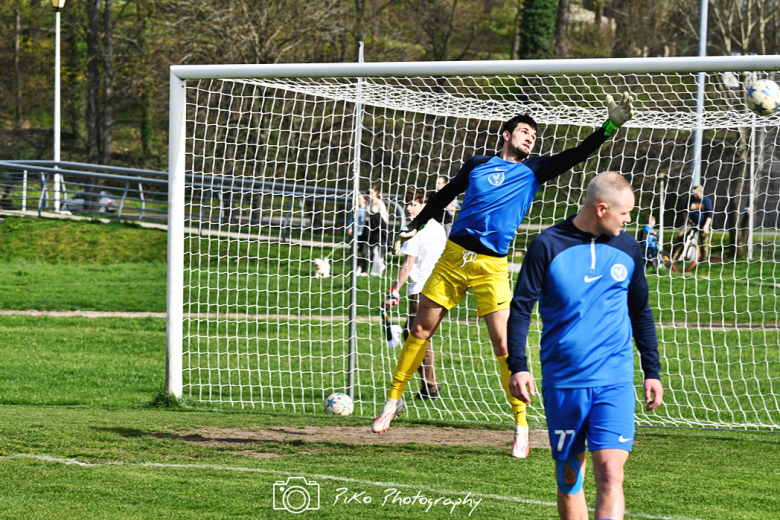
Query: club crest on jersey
[[619, 272], [496, 178]]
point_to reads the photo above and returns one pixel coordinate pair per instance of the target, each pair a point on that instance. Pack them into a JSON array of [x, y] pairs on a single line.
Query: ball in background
[[339, 404], [763, 97]]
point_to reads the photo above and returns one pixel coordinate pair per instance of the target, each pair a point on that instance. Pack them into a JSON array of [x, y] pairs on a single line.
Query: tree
[[538, 28], [515, 52], [255, 31], [17, 67], [108, 81], [732, 26], [561, 27], [93, 81], [144, 15], [642, 27]]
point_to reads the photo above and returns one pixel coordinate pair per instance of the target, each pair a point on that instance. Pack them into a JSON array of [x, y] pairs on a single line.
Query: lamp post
[[57, 5]]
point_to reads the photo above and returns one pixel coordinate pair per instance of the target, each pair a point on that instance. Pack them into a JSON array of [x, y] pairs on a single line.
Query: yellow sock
[[518, 406], [408, 362]]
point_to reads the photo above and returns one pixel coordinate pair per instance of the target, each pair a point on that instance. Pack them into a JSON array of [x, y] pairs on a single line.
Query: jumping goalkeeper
[[499, 189]]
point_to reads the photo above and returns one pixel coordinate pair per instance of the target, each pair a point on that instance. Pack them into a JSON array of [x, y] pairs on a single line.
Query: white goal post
[[267, 164]]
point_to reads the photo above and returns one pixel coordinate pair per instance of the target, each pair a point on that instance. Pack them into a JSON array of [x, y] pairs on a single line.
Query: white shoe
[[393, 408], [520, 448]]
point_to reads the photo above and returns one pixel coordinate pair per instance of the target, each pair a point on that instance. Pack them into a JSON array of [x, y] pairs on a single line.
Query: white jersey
[[426, 246]]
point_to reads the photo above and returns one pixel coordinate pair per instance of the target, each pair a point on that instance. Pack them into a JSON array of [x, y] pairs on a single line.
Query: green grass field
[[81, 437], [76, 392]]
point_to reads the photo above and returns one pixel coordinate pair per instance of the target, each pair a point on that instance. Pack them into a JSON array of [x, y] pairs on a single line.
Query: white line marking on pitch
[[47, 458]]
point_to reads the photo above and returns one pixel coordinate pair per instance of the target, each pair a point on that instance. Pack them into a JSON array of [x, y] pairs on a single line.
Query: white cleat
[[393, 408], [521, 447]]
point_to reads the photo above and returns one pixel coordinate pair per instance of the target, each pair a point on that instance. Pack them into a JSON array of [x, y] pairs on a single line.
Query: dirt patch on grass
[[360, 435], [256, 454]]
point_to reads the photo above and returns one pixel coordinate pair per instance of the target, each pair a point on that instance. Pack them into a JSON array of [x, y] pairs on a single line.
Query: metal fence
[[129, 194]]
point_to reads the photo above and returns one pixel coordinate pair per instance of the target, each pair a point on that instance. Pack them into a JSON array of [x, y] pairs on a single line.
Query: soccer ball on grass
[[763, 97], [338, 404]]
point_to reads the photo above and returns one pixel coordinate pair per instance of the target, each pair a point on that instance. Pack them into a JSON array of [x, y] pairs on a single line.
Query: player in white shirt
[[420, 256]]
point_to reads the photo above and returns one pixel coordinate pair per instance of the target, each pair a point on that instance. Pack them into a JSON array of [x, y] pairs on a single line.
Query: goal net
[[266, 309]]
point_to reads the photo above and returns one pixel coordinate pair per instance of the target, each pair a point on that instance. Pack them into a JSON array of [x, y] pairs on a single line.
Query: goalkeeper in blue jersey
[[589, 278], [498, 191]]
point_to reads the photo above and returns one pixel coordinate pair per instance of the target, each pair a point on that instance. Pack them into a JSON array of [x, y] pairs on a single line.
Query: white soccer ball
[[338, 404], [763, 97]]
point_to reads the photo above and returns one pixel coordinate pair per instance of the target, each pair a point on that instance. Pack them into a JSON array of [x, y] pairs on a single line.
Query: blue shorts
[[603, 415]]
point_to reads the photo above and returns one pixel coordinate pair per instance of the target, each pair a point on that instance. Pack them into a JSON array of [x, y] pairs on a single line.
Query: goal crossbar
[[488, 67]]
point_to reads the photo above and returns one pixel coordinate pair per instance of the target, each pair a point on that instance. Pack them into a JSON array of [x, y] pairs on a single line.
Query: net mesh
[[272, 165]]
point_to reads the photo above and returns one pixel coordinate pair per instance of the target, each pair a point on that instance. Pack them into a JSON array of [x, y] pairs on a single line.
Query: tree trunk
[[360, 13], [516, 30], [623, 29], [36, 27], [599, 11], [17, 67], [561, 28], [108, 82], [735, 222], [73, 105], [147, 89], [93, 82]]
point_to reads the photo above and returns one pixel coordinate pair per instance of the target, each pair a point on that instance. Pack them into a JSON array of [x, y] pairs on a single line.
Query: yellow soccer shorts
[[459, 270]]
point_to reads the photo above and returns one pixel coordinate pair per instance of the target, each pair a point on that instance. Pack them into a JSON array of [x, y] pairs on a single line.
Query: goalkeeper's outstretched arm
[[437, 203], [619, 113], [443, 197]]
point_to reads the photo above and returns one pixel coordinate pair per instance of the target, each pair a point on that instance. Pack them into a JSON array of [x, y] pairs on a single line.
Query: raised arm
[[560, 163]]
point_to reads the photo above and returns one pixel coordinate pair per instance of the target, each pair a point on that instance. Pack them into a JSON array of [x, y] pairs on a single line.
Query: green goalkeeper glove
[[619, 113]]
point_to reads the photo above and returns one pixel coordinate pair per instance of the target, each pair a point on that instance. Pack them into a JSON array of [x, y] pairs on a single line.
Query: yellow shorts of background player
[[459, 270]]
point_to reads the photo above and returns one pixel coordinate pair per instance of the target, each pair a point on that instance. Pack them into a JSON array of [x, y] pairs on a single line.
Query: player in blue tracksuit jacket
[[588, 276]]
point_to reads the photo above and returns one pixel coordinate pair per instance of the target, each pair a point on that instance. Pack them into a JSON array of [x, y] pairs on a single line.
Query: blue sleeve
[[530, 284], [361, 218], [706, 208], [642, 321]]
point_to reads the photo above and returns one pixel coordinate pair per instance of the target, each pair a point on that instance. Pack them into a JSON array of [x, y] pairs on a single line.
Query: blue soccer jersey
[[497, 198], [593, 298], [498, 195]]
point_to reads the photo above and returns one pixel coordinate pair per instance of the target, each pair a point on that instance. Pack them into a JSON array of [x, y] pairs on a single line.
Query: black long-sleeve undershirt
[[560, 163]]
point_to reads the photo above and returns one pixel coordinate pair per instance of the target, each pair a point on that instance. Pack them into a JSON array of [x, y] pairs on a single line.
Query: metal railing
[[124, 193], [142, 195]]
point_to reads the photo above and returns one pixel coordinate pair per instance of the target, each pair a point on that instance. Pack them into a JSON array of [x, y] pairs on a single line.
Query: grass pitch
[[67, 265], [80, 439]]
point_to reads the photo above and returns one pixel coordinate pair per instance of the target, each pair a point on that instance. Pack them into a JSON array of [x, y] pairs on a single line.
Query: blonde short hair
[[606, 187]]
